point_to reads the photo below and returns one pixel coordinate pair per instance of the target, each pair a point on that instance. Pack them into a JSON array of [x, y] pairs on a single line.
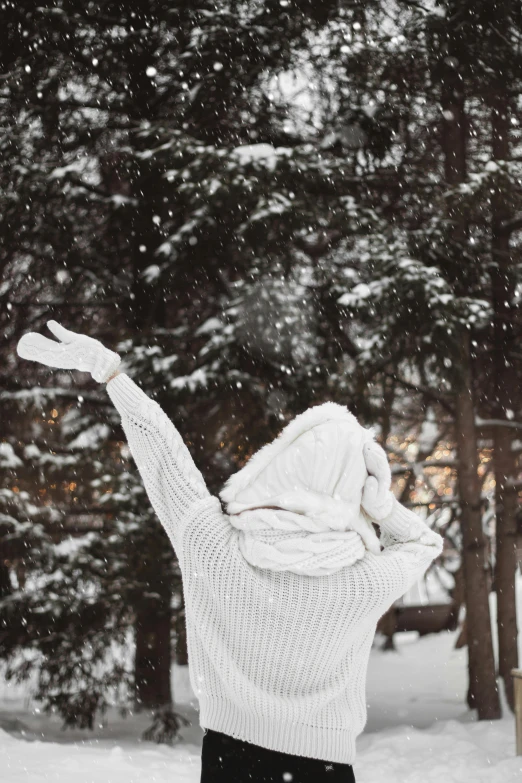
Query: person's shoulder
[[208, 521]]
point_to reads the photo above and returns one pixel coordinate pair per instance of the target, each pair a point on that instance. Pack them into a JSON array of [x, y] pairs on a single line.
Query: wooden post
[[517, 677]]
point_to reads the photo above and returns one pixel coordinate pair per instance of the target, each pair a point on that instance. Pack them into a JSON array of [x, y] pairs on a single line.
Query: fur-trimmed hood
[[311, 474]]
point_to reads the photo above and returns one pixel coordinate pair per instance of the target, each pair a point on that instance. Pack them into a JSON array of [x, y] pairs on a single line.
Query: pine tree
[[101, 220], [425, 274]]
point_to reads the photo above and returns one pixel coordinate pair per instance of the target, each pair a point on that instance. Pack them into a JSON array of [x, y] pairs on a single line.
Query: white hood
[[297, 501]]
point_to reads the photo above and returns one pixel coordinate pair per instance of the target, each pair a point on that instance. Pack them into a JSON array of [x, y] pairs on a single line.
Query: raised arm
[[409, 544], [409, 547], [173, 482]]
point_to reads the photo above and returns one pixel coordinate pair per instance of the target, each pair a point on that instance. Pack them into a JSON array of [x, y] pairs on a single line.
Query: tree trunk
[[181, 639], [5, 591], [506, 402], [5, 581], [483, 691], [387, 622], [152, 657]]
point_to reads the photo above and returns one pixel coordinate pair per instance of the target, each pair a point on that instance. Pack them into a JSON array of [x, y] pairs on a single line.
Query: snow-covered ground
[[418, 731]]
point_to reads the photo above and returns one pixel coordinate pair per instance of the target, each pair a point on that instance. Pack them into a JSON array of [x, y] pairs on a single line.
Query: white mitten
[[377, 499], [74, 352]]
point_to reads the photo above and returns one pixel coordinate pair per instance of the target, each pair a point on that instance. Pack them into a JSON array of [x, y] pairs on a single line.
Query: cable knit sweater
[[278, 659]]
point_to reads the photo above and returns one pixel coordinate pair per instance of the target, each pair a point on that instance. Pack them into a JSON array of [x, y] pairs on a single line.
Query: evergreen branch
[[510, 226], [25, 393], [422, 390], [81, 305], [481, 423]]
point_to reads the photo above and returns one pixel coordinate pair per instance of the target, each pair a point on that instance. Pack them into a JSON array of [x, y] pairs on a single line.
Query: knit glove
[[377, 498], [74, 352]]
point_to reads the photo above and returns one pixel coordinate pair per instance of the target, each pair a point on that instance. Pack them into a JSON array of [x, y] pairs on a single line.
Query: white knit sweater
[[276, 658]]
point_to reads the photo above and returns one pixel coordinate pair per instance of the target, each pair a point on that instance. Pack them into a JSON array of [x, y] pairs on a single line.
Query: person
[[283, 586]]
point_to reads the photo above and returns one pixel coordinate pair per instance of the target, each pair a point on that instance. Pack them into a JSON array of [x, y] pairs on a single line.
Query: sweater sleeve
[[172, 481], [409, 547]]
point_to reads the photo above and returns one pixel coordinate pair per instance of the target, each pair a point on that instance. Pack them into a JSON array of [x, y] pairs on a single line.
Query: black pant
[[225, 759]]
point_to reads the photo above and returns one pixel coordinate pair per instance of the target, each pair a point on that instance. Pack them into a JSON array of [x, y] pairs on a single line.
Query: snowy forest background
[[261, 205]]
